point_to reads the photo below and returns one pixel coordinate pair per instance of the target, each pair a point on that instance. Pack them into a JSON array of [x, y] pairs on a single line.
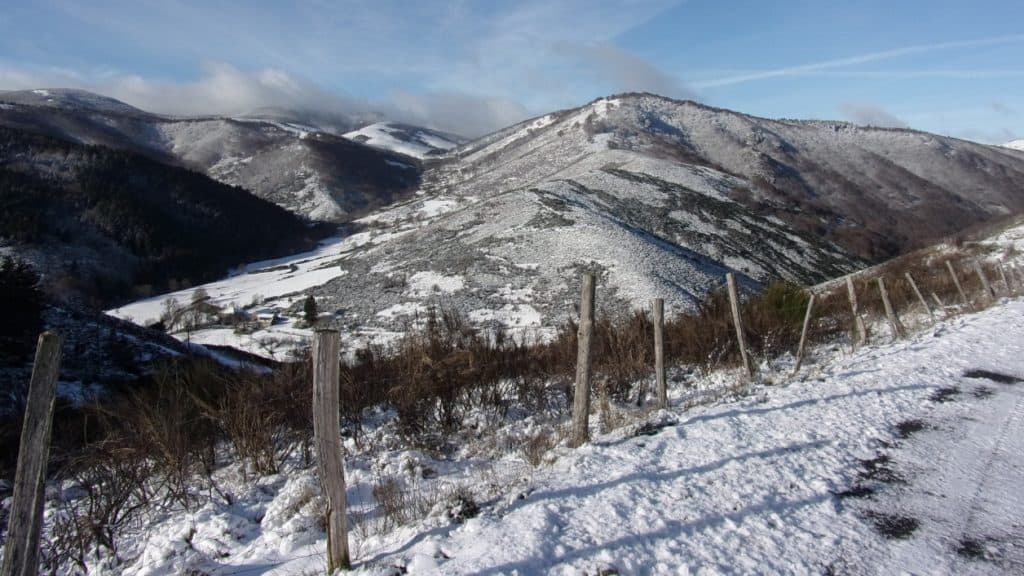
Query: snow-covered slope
[[512, 260], [875, 192], [661, 198], [405, 139], [285, 158], [1015, 144]]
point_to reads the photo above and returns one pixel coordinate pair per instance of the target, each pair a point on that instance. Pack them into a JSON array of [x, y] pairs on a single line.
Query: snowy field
[[900, 458]]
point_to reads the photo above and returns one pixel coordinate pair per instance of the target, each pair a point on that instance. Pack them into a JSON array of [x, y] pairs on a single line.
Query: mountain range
[[659, 197], [298, 160]]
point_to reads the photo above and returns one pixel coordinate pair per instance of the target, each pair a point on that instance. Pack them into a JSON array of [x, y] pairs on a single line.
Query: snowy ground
[[756, 486], [890, 460]]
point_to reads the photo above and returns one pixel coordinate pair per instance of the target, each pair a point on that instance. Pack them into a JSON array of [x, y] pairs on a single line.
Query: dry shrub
[[773, 320], [537, 446]]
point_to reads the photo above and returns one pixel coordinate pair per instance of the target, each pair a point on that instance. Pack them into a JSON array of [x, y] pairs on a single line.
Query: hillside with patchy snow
[[833, 180], [405, 139], [1015, 144], [659, 197], [295, 161]]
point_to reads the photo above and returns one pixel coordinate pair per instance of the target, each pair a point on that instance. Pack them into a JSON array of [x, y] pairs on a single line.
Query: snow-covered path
[[757, 486]]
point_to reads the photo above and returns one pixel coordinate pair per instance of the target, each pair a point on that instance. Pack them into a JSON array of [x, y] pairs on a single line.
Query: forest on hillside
[[106, 225]]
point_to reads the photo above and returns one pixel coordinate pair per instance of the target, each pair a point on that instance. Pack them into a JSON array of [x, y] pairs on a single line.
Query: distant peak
[[68, 99]]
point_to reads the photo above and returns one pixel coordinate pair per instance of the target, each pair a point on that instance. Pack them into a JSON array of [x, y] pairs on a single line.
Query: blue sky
[[953, 67]]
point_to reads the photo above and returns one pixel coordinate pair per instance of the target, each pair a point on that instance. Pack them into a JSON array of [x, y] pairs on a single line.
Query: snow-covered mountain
[[875, 192], [296, 160], [1015, 144], [405, 139], [659, 197]]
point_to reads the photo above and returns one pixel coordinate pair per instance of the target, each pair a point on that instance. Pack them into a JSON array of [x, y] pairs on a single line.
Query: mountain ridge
[[317, 174]]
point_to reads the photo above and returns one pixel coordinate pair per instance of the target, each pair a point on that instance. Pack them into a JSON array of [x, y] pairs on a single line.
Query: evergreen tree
[[310, 311], [23, 306]]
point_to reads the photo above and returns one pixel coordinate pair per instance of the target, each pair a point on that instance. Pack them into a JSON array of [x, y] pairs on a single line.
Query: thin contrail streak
[[853, 60]]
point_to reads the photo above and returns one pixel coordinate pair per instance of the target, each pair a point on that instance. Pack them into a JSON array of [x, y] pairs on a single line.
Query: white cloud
[[226, 90], [870, 115], [627, 72]]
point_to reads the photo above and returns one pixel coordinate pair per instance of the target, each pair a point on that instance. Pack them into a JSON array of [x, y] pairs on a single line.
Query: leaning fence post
[[938, 302], [659, 352], [984, 282], [862, 332], [734, 303], [1018, 277], [21, 553], [327, 436], [956, 281], [920, 298], [1002, 276], [890, 314], [581, 397], [803, 335]]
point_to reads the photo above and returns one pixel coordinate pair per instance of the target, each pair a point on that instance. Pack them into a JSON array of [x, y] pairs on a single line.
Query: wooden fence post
[[920, 298], [327, 436], [986, 287], [894, 320], [1002, 276], [659, 352], [21, 553], [581, 397], [1018, 277], [803, 335], [938, 302], [734, 303], [862, 332], [956, 281]]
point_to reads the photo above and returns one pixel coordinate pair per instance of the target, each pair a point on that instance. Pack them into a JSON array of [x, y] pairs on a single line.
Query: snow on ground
[[407, 140], [1015, 144], [258, 282], [751, 486], [429, 282], [798, 476]]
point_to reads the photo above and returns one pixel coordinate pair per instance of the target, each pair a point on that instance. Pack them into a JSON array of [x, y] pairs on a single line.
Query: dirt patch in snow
[[945, 394], [993, 376], [880, 469], [893, 526], [908, 428]]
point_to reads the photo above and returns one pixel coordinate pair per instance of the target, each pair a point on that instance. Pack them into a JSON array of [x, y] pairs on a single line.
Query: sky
[[944, 66]]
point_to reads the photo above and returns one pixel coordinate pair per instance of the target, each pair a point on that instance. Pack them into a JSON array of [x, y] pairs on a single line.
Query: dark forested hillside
[[105, 225]]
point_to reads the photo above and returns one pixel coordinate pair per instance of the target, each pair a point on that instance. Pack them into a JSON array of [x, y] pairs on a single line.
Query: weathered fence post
[[890, 314], [862, 331], [920, 298], [21, 553], [581, 398], [938, 302], [734, 303], [803, 335], [659, 352], [1018, 277], [327, 436], [1002, 276], [956, 281], [986, 287]]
